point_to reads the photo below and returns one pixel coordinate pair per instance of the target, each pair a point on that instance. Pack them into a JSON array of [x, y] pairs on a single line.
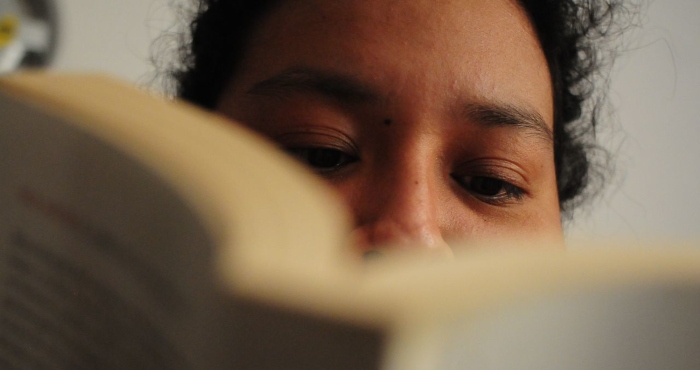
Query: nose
[[378, 236], [402, 212]]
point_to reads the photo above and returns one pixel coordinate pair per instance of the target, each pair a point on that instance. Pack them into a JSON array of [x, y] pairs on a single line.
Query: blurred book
[[137, 233]]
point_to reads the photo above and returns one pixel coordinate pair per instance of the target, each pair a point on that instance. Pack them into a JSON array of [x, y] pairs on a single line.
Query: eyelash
[[487, 188], [490, 189], [323, 160]]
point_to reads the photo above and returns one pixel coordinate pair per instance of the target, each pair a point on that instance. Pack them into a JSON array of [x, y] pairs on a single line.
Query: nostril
[[371, 255]]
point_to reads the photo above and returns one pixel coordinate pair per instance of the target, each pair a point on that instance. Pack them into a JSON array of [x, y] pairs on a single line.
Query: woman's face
[[432, 118]]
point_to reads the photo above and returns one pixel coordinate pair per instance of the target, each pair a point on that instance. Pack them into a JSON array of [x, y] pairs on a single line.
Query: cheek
[[352, 191], [537, 226]]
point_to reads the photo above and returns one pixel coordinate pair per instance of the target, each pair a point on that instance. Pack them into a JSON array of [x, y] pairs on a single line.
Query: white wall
[[656, 87], [112, 36]]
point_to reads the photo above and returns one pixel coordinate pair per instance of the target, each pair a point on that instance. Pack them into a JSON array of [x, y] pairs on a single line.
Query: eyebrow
[[498, 114], [349, 89], [305, 80]]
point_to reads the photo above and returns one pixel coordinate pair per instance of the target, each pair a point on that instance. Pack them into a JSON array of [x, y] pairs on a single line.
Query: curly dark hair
[[574, 35]]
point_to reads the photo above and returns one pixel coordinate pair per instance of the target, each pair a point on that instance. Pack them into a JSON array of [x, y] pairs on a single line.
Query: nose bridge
[[404, 211]]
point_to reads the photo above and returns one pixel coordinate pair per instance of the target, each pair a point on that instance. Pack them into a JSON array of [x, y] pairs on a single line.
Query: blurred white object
[[652, 327], [27, 33]]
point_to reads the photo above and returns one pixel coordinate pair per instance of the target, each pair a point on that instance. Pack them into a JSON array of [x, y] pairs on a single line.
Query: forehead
[[426, 12], [468, 22], [481, 47]]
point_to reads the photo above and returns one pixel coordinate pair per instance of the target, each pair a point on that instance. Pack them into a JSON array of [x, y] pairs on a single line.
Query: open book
[[137, 233]]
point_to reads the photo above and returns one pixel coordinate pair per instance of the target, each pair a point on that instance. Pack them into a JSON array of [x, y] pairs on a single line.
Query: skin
[[431, 118]]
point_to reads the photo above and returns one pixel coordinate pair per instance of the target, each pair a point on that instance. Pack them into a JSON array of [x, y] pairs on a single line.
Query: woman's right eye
[[322, 160]]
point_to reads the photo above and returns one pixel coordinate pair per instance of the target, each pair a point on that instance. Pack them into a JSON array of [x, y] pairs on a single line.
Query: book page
[[635, 327], [102, 265], [602, 309], [191, 239]]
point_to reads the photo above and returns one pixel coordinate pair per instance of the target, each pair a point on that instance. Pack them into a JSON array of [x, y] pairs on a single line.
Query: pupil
[[324, 158], [487, 186]]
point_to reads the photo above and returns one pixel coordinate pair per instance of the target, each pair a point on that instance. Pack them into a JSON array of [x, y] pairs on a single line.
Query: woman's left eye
[[322, 160], [490, 189]]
